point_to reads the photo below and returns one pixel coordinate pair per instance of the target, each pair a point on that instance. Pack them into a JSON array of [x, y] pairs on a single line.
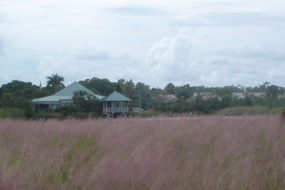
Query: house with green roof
[[61, 98], [112, 104], [115, 103]]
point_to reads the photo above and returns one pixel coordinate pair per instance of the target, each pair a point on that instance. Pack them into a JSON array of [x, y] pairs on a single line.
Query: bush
[[48, 115], [243, 110], [279, 110], [145, 114], [83, 115], [12, 113]]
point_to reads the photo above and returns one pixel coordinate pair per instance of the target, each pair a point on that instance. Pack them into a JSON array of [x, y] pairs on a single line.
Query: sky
[[196, 42]]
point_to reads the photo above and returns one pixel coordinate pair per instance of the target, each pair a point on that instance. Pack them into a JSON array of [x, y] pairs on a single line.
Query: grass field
[[217, 153]]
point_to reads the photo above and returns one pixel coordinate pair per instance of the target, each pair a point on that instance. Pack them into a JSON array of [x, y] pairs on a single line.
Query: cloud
[[244, 62], [229, 19], [49, 65], [93, 52], [223, 41], [184, 59], [243, 65], [69, 67], [170, 57], [233, 19], [137, 11], [176, 60], [3, 19], [87, 62], [1, 45], [212, 78], [264, 54], [277, 74]]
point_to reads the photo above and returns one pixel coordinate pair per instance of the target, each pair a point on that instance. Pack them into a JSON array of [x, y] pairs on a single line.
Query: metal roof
[[66, 93], [116, 96], [52, 98]]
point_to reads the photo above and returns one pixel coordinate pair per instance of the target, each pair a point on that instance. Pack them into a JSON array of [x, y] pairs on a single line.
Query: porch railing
[[115, 110]]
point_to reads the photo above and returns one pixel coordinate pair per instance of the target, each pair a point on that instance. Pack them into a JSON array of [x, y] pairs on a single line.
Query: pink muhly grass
[[244, 152]]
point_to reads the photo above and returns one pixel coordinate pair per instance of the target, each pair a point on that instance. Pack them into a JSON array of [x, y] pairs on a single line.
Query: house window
[[43, 107]]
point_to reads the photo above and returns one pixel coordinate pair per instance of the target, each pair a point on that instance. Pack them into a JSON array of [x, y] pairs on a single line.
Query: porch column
[[113, 106]]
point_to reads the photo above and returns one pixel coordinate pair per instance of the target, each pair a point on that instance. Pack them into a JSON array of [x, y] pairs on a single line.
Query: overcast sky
[[196, 42]]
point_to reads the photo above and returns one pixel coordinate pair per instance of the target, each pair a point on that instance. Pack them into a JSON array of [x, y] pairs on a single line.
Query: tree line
[[171, 98]]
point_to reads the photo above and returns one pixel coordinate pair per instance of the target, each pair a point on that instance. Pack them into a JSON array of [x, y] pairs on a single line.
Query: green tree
[[79, 98], [55, 81], [129, 88], [24, 89], [156, 96], [226, 95], [120, 86], [125, 87], [182, 104], [100, 86], [142, 96], [170, 89], [186, 91], [200, 104], [1, 93], [7, 100], [214, 104], [86, 102], [272, 91]]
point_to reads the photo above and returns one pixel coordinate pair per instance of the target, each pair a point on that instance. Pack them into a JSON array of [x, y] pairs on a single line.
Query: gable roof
[[67, 93], [116, 96], [75, 86]]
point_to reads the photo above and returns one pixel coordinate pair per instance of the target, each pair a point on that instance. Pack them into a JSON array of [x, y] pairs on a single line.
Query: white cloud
[[49, 65], [212, 78], [197, 60], [249, 53], [277, 74], [87, 62], [169, 58], [94, 52], [221, 41], [1, 45], [137, 11]]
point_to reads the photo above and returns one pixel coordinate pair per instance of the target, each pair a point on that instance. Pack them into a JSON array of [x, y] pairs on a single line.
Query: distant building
[[238, 95], [114, 103], [168, 98], [138, 110], [241, 95], [204, 95]]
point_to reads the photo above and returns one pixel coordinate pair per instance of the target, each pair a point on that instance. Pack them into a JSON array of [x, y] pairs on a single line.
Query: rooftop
[[67, 93], [116, 96]]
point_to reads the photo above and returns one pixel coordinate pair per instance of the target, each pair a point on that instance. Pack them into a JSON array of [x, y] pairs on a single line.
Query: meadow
[[207, 152]]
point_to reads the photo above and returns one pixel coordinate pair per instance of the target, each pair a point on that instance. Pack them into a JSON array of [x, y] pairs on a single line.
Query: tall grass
[[12, 113], [160, 153]]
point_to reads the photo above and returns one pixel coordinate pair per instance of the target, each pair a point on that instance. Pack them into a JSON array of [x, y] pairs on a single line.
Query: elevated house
[[60, 98], [113, 103]]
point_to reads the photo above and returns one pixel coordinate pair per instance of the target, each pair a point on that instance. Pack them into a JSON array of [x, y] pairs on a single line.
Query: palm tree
[[55, 81]]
